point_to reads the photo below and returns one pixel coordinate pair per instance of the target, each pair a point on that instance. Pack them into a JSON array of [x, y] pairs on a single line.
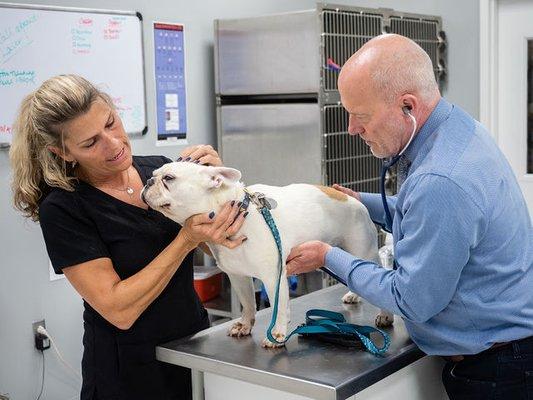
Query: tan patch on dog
[[333, 193]]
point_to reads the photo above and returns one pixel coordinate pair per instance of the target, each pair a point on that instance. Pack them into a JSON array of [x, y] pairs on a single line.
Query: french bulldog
[[302, 212]]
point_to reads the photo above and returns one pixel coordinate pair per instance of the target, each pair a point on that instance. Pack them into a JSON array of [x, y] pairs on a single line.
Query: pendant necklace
[[128, 189]]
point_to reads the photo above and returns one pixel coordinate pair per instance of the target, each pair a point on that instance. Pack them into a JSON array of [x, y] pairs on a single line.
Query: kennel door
[[273, 144]]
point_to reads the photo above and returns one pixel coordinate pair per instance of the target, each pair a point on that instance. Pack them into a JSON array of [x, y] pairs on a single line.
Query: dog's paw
[[239, 329], [384, 320], [267, 344], [351, 298]]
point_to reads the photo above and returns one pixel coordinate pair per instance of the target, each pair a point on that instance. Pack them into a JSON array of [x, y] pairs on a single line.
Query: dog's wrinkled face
[[181, 189]]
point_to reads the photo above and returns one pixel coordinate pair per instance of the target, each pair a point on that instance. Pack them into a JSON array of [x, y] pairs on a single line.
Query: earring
[[73, 164]]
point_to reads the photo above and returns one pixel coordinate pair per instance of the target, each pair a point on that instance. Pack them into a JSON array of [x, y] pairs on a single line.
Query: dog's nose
[[150, 182]]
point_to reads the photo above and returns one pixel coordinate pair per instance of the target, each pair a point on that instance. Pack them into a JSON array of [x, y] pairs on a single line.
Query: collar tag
[[261, 201]]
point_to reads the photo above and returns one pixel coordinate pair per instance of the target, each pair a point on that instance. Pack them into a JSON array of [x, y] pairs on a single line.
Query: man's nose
[[354, 127], [150, 182]]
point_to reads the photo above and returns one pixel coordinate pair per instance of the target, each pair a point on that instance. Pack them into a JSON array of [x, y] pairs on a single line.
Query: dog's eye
[[168, 178]]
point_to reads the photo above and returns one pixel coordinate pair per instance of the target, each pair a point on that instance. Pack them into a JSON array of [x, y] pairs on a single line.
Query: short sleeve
[[70, 236]]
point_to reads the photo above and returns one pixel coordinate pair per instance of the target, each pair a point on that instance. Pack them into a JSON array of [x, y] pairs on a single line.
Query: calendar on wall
[[171, 102]]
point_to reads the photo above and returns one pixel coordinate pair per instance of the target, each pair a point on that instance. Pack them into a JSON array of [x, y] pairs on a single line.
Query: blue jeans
[[503, 373]]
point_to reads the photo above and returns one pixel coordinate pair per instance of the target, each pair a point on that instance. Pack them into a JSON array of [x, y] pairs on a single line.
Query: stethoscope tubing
[[385, 167]]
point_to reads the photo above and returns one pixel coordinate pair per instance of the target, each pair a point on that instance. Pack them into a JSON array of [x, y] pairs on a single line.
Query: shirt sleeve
[[439, 226], [374, 205], [70, 236]]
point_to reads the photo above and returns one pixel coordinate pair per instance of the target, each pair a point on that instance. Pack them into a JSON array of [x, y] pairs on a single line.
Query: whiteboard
[[105, 47]]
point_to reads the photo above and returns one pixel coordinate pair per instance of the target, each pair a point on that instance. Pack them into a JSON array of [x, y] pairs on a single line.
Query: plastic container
[[386, 253], [207, 282]]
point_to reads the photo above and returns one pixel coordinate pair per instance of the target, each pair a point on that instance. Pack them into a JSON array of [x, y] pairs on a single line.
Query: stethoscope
[[388, 164]]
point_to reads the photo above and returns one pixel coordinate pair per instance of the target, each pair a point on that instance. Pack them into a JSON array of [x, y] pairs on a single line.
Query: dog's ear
[[219, 175]]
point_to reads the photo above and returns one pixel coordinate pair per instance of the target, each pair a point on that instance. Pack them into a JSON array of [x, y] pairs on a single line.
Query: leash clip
[[263, 201], [260, 200]]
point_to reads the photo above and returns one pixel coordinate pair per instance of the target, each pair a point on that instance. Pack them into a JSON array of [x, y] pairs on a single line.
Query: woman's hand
[[201, 154], [216, 229], [347, 191]]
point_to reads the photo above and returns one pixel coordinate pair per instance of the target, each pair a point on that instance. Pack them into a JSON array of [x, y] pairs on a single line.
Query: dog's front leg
[[244, 287], [280, 328]]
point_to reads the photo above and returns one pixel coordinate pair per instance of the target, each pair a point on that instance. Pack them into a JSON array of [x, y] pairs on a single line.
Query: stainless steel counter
[[305, 367]]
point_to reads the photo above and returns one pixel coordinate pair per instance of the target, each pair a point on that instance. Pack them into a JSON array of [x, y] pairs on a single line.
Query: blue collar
[[439, 114], [246, 201]]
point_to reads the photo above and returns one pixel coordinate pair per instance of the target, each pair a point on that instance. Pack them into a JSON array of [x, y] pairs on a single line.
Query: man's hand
[[347, 191], [307, 257], [201, 154]]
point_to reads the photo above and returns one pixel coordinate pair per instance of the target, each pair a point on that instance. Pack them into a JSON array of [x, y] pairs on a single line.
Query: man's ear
[[59, 152], [220, 175]]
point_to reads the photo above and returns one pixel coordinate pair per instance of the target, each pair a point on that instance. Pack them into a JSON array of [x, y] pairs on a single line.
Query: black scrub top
[[88, 224]]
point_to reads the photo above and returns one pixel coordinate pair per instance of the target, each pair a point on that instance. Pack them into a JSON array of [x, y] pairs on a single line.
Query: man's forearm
[[343, 264]]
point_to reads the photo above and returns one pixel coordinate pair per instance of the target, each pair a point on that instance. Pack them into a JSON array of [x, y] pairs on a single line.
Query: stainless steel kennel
[[279, 116]]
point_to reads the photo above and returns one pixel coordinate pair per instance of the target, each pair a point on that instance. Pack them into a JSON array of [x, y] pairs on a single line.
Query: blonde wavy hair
[[39, 126]]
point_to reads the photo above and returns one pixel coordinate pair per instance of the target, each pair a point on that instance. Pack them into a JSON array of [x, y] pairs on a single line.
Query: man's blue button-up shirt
[[462, 242]]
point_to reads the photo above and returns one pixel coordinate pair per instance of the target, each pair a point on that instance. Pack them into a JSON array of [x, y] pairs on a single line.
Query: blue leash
[[316, 321]]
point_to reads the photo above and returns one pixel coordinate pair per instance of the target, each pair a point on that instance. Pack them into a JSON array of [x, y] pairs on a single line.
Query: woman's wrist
[[186, 241]]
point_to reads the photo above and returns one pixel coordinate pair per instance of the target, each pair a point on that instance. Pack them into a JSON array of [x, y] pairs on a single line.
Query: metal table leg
[[197, 378]]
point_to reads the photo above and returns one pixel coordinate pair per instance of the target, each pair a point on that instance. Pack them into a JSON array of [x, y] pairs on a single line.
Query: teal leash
[[265, 212], [317, 321]]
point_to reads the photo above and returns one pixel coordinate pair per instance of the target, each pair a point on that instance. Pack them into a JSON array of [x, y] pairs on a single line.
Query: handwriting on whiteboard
[[113, 28], [16, 76], [5, 129], [82, 36], [15, 37], [85, 21]]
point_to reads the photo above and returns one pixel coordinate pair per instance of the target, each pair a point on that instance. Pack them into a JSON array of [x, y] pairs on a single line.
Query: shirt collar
[[439, 114]]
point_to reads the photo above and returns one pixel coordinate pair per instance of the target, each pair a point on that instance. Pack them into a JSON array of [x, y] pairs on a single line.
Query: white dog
[[302, 212]]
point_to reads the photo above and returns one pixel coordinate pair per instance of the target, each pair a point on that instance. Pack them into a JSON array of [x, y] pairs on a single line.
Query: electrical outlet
[[36, 324], [41, 343]]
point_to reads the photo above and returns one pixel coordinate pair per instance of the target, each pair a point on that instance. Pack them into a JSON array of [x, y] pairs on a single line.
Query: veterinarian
[[73, 171], [462, 232]]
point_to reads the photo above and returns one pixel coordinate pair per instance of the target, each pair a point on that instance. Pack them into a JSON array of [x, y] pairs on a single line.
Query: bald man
[[463, 281]]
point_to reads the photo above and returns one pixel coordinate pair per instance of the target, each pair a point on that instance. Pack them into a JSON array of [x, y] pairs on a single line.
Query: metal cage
[[276, 84], [346, 160]]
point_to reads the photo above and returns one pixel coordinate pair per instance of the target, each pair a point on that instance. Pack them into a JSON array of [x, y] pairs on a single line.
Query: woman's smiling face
[[97, 141]]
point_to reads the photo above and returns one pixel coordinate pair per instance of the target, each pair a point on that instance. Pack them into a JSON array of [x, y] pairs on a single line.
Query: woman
[[74, 172]]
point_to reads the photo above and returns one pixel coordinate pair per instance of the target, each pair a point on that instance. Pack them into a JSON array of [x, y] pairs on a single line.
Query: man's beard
[[391, 130]]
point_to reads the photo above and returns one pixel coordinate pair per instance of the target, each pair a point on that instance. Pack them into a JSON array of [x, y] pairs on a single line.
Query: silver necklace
[[128, 189]]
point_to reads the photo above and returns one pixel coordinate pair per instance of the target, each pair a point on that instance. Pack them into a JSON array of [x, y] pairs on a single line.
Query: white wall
[[26, 294]]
